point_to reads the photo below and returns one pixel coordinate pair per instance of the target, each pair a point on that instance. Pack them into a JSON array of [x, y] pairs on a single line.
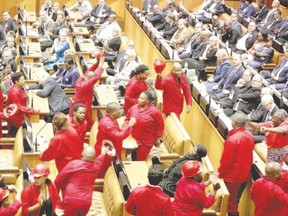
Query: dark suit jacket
[[276, 24], [10, 25], [145, 5], [270, 114], [231, 78], [252, 96], [219, 9], [200, 49], [156, 19], [2, 36], [96, 10], [57, 99], [169, 30], [237, 26], [282, 75], [232, 36], [261, 14], [221, 70], [251, 39]]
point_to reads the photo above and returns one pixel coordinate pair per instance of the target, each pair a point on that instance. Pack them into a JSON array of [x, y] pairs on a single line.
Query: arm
[[62, 49], [47, 89], [74, 78], [131, 205], [278, 130], [12, 210], [159, 82], [51, 152], [187, 92], [227, 158], [254, 125], [159, 124]]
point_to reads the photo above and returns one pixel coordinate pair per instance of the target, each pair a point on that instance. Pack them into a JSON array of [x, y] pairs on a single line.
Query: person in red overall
[[78, 122], [276, 135], [65, 145], [84, 89], [284, 176], [16, 95], [269, 198], [175, 87], [190, 197], [76, 181], [135, 86], [149, 125], [41, 197], [150, 199], [108, 129], [236, 161], [6, 208]]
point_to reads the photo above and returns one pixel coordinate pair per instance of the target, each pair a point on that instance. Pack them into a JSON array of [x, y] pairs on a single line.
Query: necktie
[[267, 116]]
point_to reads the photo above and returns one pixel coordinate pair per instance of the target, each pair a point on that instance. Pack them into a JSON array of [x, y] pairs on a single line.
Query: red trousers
[[235, 190], [74, 207], [142, 152]]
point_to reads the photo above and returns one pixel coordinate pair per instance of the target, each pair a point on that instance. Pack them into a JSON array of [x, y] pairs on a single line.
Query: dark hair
[[59, 121], [16, 76], [5, 11], [155, 174], [138, 70], [278, 11], [111, 107], [70, 61], [264, 35], [77, 106], [250, 1], [149, 95], [173, 4]]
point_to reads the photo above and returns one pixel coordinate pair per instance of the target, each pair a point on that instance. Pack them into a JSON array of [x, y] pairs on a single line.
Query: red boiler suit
[[283, 182], [80, 128], [30, 196], [109, 129], [84, 92], [235, 164], [174, 93], [17, 96], [12, 210], [149, 200], [190, 198], [133, 90], [76, 182], [149, 126], [63, 147], [269, 198]]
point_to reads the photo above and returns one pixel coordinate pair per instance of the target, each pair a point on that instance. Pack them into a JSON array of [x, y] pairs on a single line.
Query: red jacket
[[17, 96], [237, 156], [174, 93], [12, 210], [109, 129], [63, 147], [30, 196], [149, 124], [72, 177], [133, 90], [149, 200], [283, 182], [190, 198], [80, 128], [1, 111], [84, 89], [275, 140], [269, 198]]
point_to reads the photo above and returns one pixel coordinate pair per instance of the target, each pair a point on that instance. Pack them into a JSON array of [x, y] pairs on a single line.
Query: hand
[[226, 92], [104, 149], [188, 109], [132, 122], [216, 187], [158, 142], [59, 212], [215, 87], [213, 177], [263, 129]]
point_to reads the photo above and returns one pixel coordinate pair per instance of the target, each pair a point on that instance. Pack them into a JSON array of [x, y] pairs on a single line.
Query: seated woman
[[60, 46], [262, 56], [41, 197], [258, 44], [10, 45], [181, 36]]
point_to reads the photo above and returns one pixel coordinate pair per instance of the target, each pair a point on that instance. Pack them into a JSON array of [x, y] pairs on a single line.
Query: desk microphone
[[36, 144]]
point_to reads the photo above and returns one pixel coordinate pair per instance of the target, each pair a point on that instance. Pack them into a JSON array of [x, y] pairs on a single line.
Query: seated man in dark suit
[[9, 24], [147, 5], [261, 13], [276, 24], [247, 98], [214, 8], [230, 35], [247, 41], [170, 27], [157, 17]]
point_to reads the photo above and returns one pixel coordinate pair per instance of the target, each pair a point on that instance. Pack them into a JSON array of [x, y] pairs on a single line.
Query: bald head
[[88, 154], [238, 119], [176, 69], [273, 170]]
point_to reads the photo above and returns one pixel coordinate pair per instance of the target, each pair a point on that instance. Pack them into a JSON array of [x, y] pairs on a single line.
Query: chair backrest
[[93, 133], [175, 137], [112, 195]]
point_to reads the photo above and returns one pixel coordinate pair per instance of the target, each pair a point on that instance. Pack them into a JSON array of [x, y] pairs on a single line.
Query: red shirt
[[237, 156], [133, 90], [80, 128], [84, 89], [63, 147], [149, 124], [30, 196], [149, 200], [12, 210], [17, 96], [275, 140], [174, 93], [72, 177], [190, 198], [269, 198]]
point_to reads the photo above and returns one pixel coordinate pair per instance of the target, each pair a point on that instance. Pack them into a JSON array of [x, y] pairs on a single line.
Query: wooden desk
[[30, 17], [105, 94], [137, 172], [37, 102], [75, 16], [86, 46], [34, 52], [80, 31]]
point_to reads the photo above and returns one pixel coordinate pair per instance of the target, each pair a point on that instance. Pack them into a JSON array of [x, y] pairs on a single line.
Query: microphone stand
[[36, 144]]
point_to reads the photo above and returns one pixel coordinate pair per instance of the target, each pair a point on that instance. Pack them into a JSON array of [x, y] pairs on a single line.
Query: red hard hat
[[191, 168], [159, 65], [98, 53], [40, 170], [3, 194]]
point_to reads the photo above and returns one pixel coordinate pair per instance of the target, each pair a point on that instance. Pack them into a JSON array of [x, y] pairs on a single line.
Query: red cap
[[3, 194], [40, 170], [159, 65], [191, 168]]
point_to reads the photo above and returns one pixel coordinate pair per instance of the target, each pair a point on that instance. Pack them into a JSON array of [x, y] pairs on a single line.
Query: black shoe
[[155, 160]]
